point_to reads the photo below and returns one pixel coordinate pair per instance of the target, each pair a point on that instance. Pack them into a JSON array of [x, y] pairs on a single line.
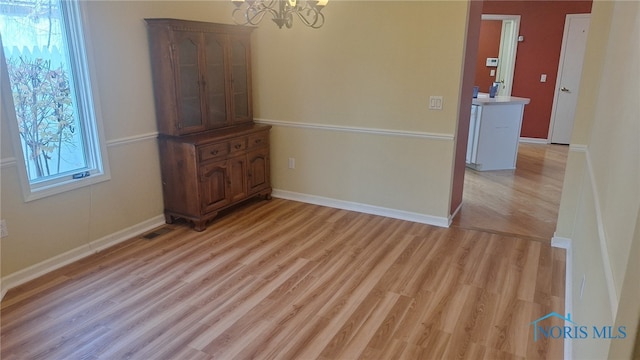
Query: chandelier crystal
[[251, 12]]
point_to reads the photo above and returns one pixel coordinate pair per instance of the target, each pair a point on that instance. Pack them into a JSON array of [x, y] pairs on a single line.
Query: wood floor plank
[[367, 328], [339, 308]]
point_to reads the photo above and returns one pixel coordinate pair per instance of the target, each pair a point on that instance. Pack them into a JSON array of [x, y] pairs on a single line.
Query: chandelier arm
[[313, 18], [252, 12], [241, 18], [251, 18], [319, 21]]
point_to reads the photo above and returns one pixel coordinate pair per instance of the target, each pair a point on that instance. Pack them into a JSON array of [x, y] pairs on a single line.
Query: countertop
[[484, 99]]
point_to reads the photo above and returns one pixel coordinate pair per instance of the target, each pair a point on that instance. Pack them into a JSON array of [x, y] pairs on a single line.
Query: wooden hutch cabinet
[[212, 153]]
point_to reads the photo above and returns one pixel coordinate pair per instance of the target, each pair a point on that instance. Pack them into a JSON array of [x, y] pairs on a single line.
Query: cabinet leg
[[200, 225], [168, 218]]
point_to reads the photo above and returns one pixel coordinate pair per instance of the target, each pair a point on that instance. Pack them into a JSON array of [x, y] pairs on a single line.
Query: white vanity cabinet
[[494, 132]]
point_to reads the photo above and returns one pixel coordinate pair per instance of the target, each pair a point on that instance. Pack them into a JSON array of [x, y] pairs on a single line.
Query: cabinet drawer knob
[[214, 152], [238, 146], [258, 141]]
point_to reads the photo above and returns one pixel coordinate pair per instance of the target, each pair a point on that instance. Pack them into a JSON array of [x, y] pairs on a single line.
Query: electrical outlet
[[292, 163], [3, 229]]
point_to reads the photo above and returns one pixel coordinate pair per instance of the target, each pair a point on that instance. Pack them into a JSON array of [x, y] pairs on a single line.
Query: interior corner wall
[[542, 25], [350, 102]]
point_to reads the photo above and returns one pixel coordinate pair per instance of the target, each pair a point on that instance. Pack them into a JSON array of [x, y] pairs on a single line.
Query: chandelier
[[251, 12]]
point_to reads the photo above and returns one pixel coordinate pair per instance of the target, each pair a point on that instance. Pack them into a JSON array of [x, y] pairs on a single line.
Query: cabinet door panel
[[216, 82], [258, 175], [237, 178], [188, 82], [213, 186]]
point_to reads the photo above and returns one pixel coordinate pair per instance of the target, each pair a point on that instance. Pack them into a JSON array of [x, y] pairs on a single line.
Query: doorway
[[507, 50], [503, 201]]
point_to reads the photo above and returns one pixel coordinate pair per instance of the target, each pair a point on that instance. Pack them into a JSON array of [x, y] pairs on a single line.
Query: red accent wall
[[489, 47], [542, 25]]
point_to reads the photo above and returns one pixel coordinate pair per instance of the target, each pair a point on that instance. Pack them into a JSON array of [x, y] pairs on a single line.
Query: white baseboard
[[533, 140], [452, 216], [565, 243], [560, 242], [128, 233], [56, 262], [363, 208]]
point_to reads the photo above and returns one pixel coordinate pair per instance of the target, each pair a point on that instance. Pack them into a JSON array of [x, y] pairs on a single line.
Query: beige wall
[[372, 66], [601, 197], [614, 147], [363, 81], [374, 169]]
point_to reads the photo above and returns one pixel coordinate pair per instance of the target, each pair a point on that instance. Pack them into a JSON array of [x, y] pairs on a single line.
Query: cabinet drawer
[[237, 145], [213, 151], [258, 140]]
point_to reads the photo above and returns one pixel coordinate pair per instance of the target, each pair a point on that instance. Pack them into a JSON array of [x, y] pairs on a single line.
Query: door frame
[[508, 49], [563, 53]]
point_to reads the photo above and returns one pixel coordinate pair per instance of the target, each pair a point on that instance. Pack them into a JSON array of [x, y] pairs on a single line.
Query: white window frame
[[88, 105]]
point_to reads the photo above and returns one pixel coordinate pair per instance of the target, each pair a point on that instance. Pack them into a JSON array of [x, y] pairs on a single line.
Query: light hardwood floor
[[524, 201], [286, 280]]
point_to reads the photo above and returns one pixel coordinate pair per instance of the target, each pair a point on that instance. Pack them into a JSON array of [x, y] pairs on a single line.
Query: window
[[54, 122]]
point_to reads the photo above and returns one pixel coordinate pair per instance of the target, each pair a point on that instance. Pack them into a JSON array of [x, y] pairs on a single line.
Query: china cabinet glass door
[[215, 85], [189, 82], [240, 81]]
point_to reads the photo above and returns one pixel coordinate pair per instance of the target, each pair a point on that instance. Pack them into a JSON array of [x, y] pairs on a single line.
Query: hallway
[[523, 202]]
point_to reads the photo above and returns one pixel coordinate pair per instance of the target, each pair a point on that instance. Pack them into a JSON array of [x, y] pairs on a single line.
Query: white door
[[507, 55], [574, 41], [508, 49]]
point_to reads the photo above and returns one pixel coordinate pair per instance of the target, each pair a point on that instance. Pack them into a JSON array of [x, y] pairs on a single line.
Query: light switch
[[435, 103], [492, 72], [543, 78]]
